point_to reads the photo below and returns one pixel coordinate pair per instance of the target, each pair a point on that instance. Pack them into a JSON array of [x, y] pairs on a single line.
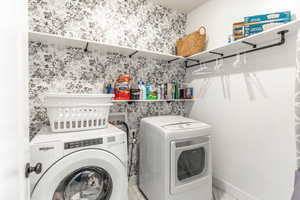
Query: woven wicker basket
[[192, 43]]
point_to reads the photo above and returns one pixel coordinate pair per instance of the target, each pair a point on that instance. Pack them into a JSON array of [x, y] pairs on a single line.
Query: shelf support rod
[[130, 56], [216, 53], [86, 47], [186, 64], [281, 42], [250, 44], [194, 60], [173, 60]]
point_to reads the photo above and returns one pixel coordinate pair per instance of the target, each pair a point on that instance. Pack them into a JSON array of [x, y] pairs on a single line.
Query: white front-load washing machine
[[85, 165], [175, 159]]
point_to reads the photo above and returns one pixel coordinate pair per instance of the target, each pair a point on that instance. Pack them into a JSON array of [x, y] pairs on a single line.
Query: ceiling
[[181, 5]]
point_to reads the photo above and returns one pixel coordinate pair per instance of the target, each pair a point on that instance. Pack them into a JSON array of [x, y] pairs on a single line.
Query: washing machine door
[[91, 174]]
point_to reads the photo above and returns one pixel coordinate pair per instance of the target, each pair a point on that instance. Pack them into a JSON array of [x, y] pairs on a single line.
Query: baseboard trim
[[232, 190]]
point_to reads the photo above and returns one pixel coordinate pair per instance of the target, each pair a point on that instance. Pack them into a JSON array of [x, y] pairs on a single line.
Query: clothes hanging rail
[[254, 48]]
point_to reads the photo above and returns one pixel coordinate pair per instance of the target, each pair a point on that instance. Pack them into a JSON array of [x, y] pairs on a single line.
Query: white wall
[[253, 138], [13, 99], [219, 15]]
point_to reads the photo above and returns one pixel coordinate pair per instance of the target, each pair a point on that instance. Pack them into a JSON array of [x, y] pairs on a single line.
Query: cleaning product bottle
[[122, 88], [135, 92], [176, 91], [158, 92], [153, 93], [141, 90], [162, 91], [173, 90], [145, 91], [148, 91]]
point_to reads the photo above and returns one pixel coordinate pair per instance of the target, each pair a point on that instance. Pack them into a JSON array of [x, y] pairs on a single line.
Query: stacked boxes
[[268, 17], [259, 23], [238, 30]]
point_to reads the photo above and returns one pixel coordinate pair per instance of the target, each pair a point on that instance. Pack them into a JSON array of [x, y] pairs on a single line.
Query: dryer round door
[[88, 174]]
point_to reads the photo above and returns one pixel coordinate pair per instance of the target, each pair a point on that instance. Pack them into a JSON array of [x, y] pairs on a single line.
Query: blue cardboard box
[[251, 29], [269, 17]]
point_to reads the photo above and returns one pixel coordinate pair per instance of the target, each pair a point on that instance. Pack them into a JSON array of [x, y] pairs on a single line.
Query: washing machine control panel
[[83, 143]]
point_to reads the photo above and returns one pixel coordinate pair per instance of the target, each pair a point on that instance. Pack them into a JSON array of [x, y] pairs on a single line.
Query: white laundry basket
[[76, 112]]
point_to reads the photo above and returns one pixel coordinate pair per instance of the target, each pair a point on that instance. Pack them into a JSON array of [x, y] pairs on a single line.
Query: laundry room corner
[[150, 100]]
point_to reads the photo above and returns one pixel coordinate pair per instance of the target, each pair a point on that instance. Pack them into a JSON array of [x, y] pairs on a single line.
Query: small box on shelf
[[259, 23], [268, 17], [251, 29]]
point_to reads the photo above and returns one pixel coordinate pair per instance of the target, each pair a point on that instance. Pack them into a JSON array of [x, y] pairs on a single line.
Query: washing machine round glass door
[[190, 160], [89, 183], [88, 174]]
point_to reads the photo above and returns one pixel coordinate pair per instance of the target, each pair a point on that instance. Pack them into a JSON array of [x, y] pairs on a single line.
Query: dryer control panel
[[185, 125], [83, 143]]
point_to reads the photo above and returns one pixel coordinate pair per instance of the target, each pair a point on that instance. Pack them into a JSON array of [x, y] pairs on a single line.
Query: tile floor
[[134, 193], [221, 195]]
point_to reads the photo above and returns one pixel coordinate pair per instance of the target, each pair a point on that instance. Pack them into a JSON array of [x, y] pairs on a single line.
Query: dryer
[[175, 159], [87, 165]]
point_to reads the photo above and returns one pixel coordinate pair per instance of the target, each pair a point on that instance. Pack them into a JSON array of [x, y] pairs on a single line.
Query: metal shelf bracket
[[173, 60], [216, 53], [250, 44], [131, 55], [86, 47], [194, 60]]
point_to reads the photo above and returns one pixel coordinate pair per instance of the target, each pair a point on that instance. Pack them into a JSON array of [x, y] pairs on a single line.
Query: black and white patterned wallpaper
[[67, 69], [132, 23]]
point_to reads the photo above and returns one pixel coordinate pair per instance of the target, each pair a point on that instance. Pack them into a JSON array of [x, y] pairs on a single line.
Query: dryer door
[[190, 162], [88, 174]]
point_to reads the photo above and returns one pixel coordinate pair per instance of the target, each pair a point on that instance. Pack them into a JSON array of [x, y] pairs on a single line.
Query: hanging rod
[[282, 41], [86, 47], [130, 56]]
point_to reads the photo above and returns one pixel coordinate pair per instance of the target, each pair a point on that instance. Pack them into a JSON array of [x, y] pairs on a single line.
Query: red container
[[122, 89]]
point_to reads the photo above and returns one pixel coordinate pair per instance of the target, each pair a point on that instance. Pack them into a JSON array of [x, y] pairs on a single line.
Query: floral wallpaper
[[132, 23], [54, 69]]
